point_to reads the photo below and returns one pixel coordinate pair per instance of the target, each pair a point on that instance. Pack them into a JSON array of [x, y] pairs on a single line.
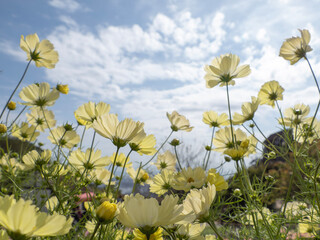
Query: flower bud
[[3, 128], [11, 105], [175, 142], [144, 177], [208, 148], [106, 211], [68, 127], [227, 159], [64, 89], [237, 192]]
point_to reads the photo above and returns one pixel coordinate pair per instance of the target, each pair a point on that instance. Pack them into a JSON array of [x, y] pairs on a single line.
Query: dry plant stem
[[114, 163], [214, 228], [24, 73], [175, 151], [208, 158], [135, 180], [123, 168], [157, 150], [230, 117], [95, 230]]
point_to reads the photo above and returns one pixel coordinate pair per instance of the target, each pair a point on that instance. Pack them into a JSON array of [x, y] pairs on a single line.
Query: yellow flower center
[[190, 180]]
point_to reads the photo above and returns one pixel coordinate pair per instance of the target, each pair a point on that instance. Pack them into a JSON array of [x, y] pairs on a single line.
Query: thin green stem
[[95, 230], [24, 73], [208, 158], [123, 168], [135, 180], [214, 228], [230, 117], [314, 76], [175, 151], [84, 131], [114, 163]]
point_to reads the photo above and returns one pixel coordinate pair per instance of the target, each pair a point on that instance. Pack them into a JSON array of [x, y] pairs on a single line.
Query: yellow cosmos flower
[[3, 128], [248, 219], [39, 95], [189, 178], [295, 116], [42, 53], [143, 144], [223, 138], [24, 132], [11, 105], [101, 176], [41, 119], [191, 231], [21, 218], [33, 158], [66, 139], [121, 158], [10, 163], [64, 89], [214, 120], [162, 182], [224, 69], [248, 110], [295, 48], [216, 179], [120, 133], [145, 214], [4, 235], [52, 203], [143, 176], [88, 112], [198, 202], [88, 160], [295, 209], [157, 235], [106, 211], [167, 160], [270, 92], [179, 122]]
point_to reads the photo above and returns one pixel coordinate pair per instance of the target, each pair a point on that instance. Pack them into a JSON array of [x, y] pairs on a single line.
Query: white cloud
[[67, 5]]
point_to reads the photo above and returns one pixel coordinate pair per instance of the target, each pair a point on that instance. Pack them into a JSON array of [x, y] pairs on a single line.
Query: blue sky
[[146, 57]]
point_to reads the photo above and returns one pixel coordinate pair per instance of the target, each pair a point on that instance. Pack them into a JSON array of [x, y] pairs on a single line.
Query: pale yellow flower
[[88, 112], [162, 182], [66, 139], [121, 158], [41, 119], [214, 120], [87, 160], [4, 235], [224, 69], [179, 122], [33, 158], [167, 160], [190, 231], [138, 235], [198, 202], [52, 203], [295, 48], [223, 138], [189, 178], [139, 212], [248, 218], [101, 176], [270, 92], [10, 163], [25, 132], [143, 176], [42, 53], [64, 89], [239, 151], [248, 110], [216, 179], [39, 94], [143, 144], [120, 133], [295, 209], [295, 116], [24, 219]]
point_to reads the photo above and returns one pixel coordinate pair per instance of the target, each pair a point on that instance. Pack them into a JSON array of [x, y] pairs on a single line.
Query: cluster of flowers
[[187, 194]]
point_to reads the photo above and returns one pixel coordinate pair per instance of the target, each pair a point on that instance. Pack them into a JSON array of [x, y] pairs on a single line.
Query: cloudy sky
[[146, 57]]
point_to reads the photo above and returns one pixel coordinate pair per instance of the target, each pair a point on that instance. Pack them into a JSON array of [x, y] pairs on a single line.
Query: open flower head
[[42, 53], [143, 144], [179, 122], [190, 231], [248, 110], [189, 178], [87, 160], [162, 182], [41, 119], [33, 158], [66, 139], [120, 161], [145, 213], [295, 116], [223, 139], [21, 218], [39, 94], [198, 202], [142, 178], [101, 176], [157, 235], [270, 92], [295, 48], [25, 132], [120, 133], [213, 119], [88, 112], [224, 69], [167, 160]]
